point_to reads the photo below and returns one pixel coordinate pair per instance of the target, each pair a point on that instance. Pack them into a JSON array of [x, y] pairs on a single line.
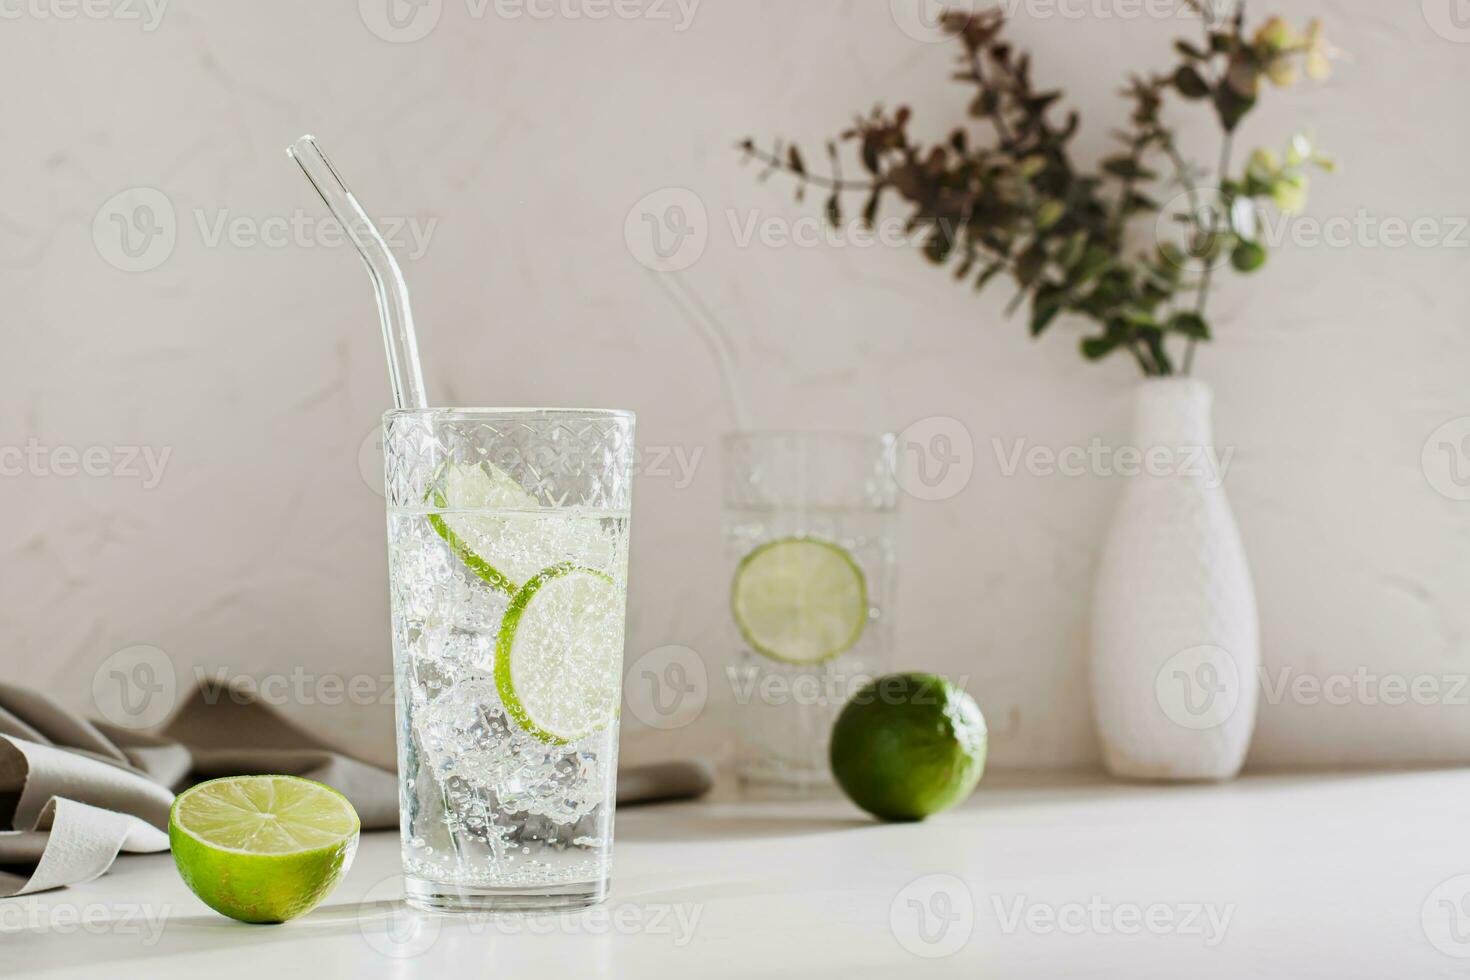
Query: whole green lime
[[908, 745]]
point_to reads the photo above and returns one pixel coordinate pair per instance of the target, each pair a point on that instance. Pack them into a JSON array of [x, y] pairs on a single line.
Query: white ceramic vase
[[1175, 639]]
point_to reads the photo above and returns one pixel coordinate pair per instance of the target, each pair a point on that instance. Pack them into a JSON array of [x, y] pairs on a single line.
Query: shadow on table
[[212, 933]]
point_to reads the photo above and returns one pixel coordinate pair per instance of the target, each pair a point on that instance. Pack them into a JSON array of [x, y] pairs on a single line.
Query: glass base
[[447, 898]]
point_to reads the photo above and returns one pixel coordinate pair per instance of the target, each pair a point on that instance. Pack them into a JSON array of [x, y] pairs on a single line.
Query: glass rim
[[540, 414]]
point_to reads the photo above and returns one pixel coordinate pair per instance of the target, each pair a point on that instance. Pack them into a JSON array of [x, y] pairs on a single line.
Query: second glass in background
[[809, 521]]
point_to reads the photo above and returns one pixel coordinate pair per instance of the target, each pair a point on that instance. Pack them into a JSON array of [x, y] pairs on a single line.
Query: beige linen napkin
[[77, 793]]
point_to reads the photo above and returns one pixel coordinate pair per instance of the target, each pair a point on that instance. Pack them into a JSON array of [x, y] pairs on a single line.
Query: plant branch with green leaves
[[1002, 194]]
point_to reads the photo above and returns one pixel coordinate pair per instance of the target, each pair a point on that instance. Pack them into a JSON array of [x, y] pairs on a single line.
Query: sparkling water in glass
[[829, 488], [508, 553]]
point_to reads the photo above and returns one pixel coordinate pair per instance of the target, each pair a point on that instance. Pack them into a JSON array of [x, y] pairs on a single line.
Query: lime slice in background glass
[[262, 848], [799, 600], [559, 656]]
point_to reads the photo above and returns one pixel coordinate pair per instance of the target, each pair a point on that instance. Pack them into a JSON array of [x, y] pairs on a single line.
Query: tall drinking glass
[[809, 547], [508, 557]]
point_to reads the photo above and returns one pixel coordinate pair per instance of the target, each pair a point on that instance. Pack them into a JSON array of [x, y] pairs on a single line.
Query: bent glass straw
[[388, 285]]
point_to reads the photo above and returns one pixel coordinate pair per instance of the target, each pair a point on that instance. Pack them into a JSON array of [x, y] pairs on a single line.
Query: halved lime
[[262, 848], [559, 656], [484, 487], [799, 600]]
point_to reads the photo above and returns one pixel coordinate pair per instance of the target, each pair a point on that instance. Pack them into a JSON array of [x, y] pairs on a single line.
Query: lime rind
[[526, 670], [479, 486], [799, 600], [481, 568]]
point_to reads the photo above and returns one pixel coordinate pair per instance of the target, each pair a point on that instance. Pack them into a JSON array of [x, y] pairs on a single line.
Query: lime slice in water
[[481, 486], [558, 659], [262, 848], [473, 536], [799, 600]]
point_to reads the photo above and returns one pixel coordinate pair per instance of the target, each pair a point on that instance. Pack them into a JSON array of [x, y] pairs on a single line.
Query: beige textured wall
[[521, 146]]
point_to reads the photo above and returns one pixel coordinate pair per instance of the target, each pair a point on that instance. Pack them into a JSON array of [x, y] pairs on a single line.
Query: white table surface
[[1343, 875]]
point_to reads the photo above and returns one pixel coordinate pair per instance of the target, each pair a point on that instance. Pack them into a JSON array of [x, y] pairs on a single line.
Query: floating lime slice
[[558, 659], [262, 848], [799, 600], [481, 487]]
